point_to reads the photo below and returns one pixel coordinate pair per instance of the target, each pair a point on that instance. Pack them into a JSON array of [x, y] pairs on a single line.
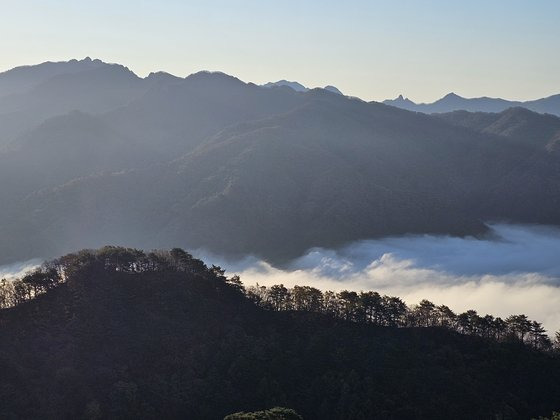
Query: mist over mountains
[[92, 154], [341, 217]]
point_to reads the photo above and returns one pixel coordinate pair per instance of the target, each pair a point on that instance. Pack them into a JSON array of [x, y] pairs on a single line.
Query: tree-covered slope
[[159, 335]]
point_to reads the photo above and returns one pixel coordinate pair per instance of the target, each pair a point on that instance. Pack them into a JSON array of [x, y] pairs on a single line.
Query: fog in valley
[[515, 270]]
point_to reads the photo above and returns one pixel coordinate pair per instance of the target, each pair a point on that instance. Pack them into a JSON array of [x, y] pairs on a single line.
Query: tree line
[[366, 307], [52, 273], [369, 307]]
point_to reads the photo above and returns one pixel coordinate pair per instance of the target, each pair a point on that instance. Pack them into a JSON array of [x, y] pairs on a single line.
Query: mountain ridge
[[298, 87], [453, 102]]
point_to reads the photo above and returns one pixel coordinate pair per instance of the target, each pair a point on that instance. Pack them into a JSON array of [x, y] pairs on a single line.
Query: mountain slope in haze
[[335, 170], [518, 124], [170, 119], [535, 180], [178, 116], [64, 148], [160, 335], [210, 161], [52, 89], [452, 102], [329, 171], [24, 78]]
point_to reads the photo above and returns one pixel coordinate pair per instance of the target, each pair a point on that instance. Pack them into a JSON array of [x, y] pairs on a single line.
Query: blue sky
[[371, 49]]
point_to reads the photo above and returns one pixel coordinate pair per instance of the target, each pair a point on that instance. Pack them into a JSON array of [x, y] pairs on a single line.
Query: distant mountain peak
[[400, 102], [333, 89], [401, 98], [218, 78], [212, 74], [162, 76], [88, 61], [298, 87], [453, 102], [451, 95]]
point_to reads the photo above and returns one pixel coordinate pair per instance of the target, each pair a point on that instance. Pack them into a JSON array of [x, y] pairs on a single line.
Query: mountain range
[[92, 154], [453, 102]]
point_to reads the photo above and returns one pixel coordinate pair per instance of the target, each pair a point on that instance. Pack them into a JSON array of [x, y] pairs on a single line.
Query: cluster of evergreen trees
[[276, 413], [364, 307], [119, 333], [372, 308], [109, 258]]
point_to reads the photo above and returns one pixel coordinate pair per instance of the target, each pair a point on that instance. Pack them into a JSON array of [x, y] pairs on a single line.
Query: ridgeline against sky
[[370, 49]]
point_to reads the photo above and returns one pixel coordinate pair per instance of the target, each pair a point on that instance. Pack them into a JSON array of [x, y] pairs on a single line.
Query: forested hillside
[[122, 333]]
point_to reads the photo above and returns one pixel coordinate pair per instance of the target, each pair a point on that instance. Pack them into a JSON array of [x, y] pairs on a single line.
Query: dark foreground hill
[[160, 335]]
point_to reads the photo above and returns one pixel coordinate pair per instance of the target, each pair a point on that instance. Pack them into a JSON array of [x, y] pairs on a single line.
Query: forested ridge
[[120, 333]]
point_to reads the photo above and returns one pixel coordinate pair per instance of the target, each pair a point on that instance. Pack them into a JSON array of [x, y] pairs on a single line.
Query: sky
[[372, 49]]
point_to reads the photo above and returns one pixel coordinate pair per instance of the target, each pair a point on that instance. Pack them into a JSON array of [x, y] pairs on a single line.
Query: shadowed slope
[[166, 337]]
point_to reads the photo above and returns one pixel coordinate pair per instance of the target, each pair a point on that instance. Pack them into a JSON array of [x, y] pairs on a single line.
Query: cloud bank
[[16, 270], [515, 270]]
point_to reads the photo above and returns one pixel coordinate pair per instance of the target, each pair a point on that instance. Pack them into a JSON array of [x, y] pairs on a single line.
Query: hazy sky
[[371, 49]]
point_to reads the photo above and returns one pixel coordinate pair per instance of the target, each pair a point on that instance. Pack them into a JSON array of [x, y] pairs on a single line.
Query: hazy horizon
[[372, 50], [276, 80]]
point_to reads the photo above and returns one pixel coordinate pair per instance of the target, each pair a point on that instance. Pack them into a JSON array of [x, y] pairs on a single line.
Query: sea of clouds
[[514, 270]]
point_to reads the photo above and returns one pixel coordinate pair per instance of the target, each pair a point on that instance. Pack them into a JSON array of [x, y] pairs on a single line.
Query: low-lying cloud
[[516, 270], [17, 270]]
